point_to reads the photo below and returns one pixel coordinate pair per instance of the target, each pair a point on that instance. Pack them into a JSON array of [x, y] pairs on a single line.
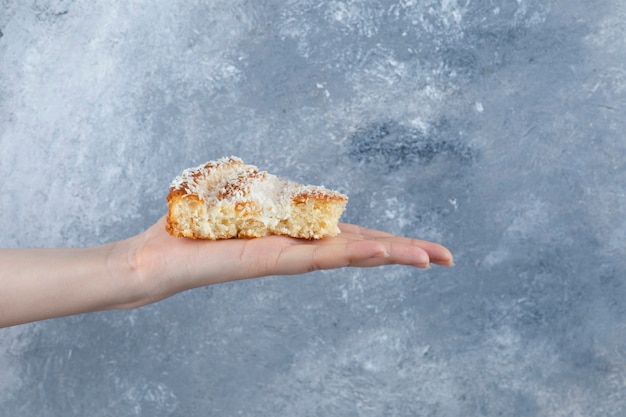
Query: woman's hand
[[167, 265], [37, 284]]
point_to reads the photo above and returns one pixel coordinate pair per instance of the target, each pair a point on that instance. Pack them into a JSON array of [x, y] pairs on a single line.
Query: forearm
[[37, 284]]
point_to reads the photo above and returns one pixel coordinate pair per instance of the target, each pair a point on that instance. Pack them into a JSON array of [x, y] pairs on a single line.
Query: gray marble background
[[495, 127]]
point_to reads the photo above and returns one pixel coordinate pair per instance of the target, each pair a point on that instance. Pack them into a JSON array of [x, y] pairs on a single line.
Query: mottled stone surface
[[494, 127]]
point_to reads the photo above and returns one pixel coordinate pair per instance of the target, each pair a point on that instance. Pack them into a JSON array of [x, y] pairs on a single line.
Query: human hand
[[166, 265], [39, 284]]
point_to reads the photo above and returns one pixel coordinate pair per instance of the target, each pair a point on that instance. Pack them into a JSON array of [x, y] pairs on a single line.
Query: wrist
[[126, 276]]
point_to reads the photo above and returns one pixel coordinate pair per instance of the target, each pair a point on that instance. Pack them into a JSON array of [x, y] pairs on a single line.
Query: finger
[[395, 251], [363, 231], [437, 253], [433, 252], [310, 257], [408, 253]]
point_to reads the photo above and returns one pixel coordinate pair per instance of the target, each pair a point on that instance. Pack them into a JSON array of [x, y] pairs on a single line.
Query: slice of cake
[[226, 199]]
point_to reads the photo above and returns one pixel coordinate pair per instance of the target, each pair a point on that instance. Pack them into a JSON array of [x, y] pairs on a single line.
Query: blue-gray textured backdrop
[[493, 126]]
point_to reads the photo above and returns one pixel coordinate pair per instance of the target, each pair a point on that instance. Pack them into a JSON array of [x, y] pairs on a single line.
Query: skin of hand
[[44, 283]]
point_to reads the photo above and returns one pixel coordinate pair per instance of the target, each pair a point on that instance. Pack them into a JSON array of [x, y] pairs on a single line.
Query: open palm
[[178, 264]]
